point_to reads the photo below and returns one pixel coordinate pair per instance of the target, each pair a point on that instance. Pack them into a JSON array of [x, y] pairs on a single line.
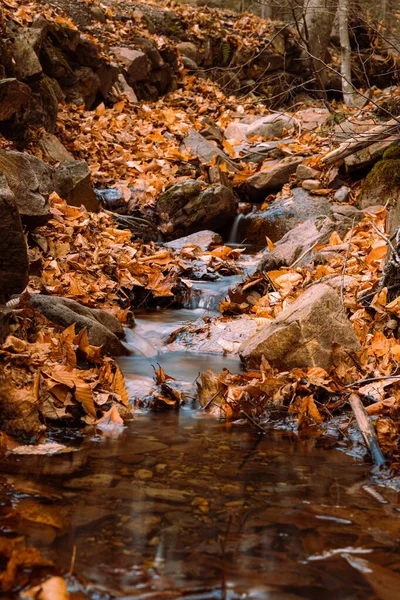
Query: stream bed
[[179, 505]]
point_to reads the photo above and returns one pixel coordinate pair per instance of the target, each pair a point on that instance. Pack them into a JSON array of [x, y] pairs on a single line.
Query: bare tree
[[345, 48], [317, 26]]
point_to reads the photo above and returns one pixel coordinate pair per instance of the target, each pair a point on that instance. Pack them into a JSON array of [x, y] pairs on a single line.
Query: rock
[[382, 184], [136, 63], [150, 49], [236, 131], [189, 50], [85, 89], [205, 151], [87, 54], [271, 126], [203, 239], [305, 172], [189, 206], [125, 89], [13, 95], [349, 128], [368, 156], [73, 184], [311, 184], [56, 65], [342, 194], [40, 111], [311, 118], [27, 62], [160, 20], [303, 335], [29, 179], [163, 79], [5, 316], [189, 64], [53, 149], [103, 328], [108, 75], [305, 236], [282, 215], [14, 264], [270, 178], [98, 14]]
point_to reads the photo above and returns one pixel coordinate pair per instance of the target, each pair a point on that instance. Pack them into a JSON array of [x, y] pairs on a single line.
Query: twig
[[73, 558], [303, 255], [253, 421], [210, 400], [371, 380], [345, 261], [367, 430], [388, 241]]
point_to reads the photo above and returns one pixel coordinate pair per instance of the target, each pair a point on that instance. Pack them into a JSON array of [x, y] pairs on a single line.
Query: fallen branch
[[367, 430], [361, 141]]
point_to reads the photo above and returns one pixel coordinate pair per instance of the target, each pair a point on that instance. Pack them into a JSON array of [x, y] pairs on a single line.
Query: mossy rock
[[382, 184]]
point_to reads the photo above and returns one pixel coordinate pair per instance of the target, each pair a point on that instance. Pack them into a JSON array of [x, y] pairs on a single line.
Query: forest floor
[[54, 377]]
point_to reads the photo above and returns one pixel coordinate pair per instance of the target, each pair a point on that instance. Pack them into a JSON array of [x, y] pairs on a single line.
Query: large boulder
[[26, 60], [271, 126], [295, 243], [282, 215], [304, 334], [72, 182], [272, 177], [190, 206], [14, 265], [103, 328]]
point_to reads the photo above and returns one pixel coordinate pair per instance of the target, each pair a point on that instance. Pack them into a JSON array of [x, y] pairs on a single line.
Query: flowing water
[[177, 505]]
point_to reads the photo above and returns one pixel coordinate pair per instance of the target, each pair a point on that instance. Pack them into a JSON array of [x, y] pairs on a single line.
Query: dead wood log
[[362, 140], [367, 430]]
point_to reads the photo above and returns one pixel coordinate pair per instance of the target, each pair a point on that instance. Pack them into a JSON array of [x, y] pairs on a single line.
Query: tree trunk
[[345, 68], [318, 19]]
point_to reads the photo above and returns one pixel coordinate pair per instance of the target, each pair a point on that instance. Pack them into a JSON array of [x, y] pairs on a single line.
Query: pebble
[[342, 194], [143, 474]]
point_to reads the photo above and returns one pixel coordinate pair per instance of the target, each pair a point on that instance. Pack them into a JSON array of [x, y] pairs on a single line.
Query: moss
[[392, 152], [384, 177]]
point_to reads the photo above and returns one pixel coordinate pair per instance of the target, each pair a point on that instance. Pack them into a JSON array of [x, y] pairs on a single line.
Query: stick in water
[[367, 430]]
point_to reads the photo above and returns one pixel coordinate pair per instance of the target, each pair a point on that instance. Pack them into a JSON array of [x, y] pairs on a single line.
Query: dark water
[[177, 505], [180, 506]]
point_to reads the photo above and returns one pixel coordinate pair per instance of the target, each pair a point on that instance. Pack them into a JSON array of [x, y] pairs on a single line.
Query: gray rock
[[282, 216], [305, 172], [108, 75], [98, 14], [271, 126], [311, 118], [190, 206], [14, 264], [72, 182], [204, 239], [103, 328], [55, 64], [236, 131], [13, 95], [297, 241], [30, 181], [150, 49], [85, 90], [304, 334], [270, 178], [136, 63], [342, 194], [189, 50], [205, 151], [189, 64], [311, 184], [26, 60], [53, 149], [124, 89]]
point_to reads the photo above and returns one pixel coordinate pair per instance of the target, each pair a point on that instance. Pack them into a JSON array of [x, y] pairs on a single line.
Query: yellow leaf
[[118, 386]]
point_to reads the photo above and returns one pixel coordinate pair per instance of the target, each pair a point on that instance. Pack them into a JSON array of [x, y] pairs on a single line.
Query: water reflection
[[197, 509]]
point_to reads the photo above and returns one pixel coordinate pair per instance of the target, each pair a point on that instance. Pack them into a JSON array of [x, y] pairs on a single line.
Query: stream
[[179, 505]]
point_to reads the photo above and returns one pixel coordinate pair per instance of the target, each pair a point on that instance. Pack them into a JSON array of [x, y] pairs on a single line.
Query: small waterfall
[[137, 344], [234, 233]]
